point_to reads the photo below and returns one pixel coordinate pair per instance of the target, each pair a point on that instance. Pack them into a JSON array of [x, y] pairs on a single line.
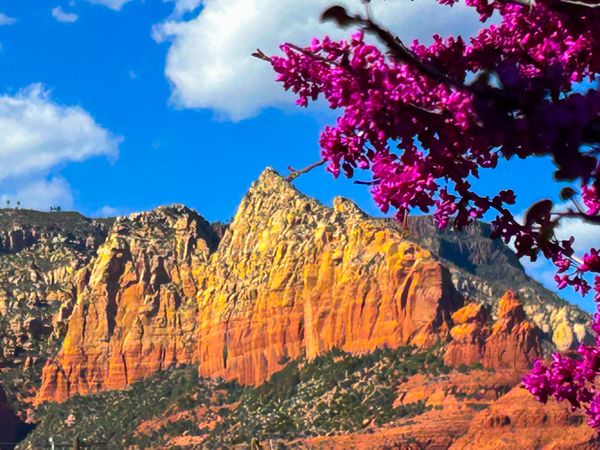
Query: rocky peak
[[510, 310], [292, 277], [511, 342]]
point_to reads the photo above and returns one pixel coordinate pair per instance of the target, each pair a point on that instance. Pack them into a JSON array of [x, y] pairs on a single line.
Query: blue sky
[[114, 106]]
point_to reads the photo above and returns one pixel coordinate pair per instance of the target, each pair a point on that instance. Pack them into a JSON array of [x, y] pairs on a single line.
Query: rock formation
[[516, 420], [483, 270], [512, 342], [292, 277], [136, 309]]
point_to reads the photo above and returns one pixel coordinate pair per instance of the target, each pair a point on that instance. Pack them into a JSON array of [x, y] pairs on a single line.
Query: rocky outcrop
[[483, 269], [294, 278], [136, 310], [290, 278], [468, 334], [517, 420], [512, 342], [15, 240]]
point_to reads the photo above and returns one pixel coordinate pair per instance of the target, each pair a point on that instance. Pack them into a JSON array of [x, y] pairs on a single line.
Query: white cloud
[[586, 235], [62, 16], [209, 62], [6, 20], [40, 194], [184, 6], [112, 4], [37, 134], [108, 211]]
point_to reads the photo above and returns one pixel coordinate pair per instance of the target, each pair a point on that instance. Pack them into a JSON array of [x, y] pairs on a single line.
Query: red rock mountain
[[136, 308], [513, 342], [290, 278]]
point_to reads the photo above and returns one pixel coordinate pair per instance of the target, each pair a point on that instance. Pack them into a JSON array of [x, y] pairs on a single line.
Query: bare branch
[[296, 173], [261, 55]]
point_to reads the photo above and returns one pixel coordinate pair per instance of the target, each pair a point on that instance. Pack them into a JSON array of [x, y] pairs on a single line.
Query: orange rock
[[292, 277], [517, 420], [468, 336], [136, 311], [512, 342]]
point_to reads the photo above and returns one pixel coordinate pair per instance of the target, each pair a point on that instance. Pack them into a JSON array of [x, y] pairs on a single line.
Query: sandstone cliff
[[483, 270], [512, 342], [292, 277], [136, 309], [289, 278]]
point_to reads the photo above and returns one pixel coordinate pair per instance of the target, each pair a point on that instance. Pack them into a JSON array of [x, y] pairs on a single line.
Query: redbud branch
[[594, 220], [296, 173], [367, 183], [261, 55]]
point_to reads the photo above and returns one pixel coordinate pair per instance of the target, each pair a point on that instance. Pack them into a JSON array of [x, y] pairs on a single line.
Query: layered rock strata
[[290, 278], [294, 278], [512, 342], [136, 309]]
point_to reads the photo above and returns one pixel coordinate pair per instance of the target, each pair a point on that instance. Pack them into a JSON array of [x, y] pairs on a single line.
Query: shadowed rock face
[[8, 420]]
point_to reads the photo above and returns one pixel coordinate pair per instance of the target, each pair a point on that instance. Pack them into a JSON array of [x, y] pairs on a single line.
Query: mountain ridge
[[289, 279]]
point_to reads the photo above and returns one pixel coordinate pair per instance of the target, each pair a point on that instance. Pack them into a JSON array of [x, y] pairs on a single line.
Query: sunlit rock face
[[288, 277], [511, 342], [292, 277], [136, 310]]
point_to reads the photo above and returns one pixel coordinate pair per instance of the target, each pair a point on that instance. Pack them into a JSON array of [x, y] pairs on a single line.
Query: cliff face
[[39, 255], [290, 280], [483, 269], [512, 342], [136, 311], [292, 277]]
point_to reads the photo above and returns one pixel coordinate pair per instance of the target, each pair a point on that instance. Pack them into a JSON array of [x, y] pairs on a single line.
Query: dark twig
[[296, 173]]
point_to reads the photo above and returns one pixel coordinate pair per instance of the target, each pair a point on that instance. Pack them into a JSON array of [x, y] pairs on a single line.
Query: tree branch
[[296, 173]]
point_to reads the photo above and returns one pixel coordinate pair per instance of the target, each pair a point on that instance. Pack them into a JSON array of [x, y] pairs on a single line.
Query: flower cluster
[[424, 120]]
